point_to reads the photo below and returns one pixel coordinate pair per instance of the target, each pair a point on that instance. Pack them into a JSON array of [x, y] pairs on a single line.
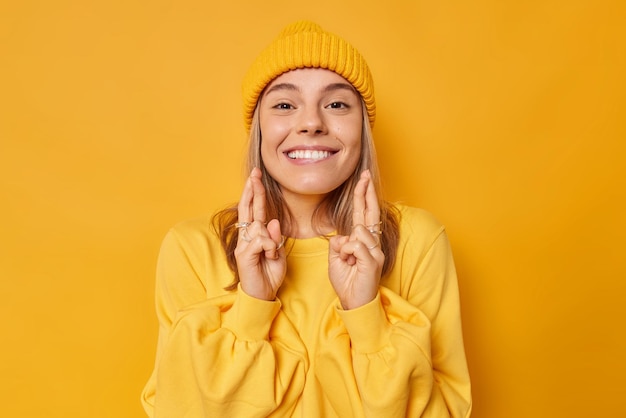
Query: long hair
[[336, 206]]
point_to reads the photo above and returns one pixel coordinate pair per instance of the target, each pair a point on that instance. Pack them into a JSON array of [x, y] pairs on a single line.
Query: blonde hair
[[336, 206]]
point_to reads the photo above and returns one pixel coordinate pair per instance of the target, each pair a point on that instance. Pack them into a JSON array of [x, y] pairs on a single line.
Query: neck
[[302, 208]]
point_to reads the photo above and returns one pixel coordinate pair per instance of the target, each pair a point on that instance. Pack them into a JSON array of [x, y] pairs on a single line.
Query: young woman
[[312, 297]]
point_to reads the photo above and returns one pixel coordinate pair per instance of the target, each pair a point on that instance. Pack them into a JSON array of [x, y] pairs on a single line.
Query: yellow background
[[503, 118]]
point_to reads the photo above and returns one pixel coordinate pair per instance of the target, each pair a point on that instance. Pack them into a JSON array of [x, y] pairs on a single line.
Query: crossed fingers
[[366, 224], [252, 219]]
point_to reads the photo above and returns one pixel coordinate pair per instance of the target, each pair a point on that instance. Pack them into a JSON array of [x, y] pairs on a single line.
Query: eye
[[283, 106], [338, 105]]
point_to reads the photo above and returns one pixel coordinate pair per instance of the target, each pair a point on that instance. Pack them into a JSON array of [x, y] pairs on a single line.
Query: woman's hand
[[261, 260], [355, 262]]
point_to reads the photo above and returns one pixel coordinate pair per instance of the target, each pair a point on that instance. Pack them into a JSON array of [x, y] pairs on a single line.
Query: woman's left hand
[[355, 262]]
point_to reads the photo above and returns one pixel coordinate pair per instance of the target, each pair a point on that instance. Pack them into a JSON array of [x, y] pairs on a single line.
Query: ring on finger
[[243, 227], [374, 229], [281, 244], [373, 246], [377, 238]]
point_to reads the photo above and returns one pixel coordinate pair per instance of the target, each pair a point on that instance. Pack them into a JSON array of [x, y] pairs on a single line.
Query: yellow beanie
[[304, 44]]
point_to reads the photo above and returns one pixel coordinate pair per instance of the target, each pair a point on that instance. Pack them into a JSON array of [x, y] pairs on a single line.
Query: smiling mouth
[[308, 154]]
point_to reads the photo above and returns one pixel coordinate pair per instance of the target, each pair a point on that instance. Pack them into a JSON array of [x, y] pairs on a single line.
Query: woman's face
[[311, 121]]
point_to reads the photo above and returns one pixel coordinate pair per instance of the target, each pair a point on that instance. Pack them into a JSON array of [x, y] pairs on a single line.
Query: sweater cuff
[[249, 318], [367, 326]]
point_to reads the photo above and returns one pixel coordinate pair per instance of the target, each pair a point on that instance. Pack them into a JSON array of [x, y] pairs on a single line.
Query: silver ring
[[282, 242], [373, 246], [372, 228], [242, 225], [375, 228]]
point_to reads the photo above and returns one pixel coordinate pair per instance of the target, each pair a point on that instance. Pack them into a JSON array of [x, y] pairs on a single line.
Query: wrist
[[250, 318], [256, 293]]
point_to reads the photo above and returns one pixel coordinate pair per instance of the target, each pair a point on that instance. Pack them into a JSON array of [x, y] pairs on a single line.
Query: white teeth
[[308, 154]]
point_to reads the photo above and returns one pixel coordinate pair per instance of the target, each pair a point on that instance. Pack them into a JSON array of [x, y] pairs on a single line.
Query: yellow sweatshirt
[[226, 354]]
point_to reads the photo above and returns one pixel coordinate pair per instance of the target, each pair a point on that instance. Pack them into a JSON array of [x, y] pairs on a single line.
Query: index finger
[[358, 201], [366, 210], [258, 196], [251, 206], [244, 208], [372, 209]]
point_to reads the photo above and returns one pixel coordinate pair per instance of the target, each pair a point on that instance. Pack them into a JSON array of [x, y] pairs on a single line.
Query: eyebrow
[[282, 86], [339, 86], [326, 89]]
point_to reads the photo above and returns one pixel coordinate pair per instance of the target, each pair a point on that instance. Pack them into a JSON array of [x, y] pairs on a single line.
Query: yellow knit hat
[[304, 44]]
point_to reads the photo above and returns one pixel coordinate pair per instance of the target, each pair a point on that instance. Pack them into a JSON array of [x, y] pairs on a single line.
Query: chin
[[313, 187]]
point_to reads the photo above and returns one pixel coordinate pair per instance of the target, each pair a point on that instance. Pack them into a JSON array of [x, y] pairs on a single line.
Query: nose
[[311, 121]]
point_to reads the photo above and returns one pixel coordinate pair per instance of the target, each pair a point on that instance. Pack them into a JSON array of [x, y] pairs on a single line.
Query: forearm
[[216, 362], [384, 359]]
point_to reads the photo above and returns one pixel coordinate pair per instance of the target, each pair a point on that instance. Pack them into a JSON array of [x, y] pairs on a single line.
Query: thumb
[[336, 242], [273, 228]]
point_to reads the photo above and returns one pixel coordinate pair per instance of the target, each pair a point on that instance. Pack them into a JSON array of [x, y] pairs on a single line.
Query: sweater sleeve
[[228, 355], [401, 355]]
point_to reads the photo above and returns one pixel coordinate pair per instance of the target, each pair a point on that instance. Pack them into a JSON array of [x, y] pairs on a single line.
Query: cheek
[[273, 130], [356, 147], [268, 155], [355, 157], [348, 130], [268, 141], [353, 150], [352, 138]]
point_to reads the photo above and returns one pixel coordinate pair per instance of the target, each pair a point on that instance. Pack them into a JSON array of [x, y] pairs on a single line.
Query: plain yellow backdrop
[[503, 118]]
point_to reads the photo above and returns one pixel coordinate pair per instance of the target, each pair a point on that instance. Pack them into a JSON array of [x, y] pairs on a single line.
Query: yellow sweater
[[226, 354]]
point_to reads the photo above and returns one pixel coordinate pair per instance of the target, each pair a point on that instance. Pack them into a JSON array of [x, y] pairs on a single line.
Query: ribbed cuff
[[367, 326], [249, 318]]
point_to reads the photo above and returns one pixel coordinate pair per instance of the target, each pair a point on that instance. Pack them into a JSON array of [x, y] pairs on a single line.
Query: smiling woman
[[311, 120], [313, 297]]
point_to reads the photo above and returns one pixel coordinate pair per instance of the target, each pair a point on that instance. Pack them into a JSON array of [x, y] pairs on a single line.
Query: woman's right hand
[[261, 258]]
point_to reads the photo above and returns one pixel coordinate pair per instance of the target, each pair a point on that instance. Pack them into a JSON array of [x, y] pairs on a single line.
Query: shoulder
[[193, 236], [418, 221], [194, 229], [193, 248], [422, 245], [198, 226], [418, 231]]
